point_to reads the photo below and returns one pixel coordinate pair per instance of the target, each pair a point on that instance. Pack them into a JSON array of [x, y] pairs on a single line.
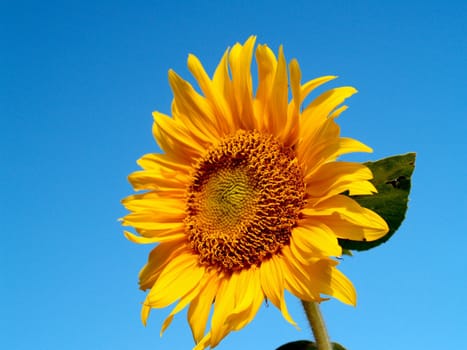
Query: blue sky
[[78, 83]]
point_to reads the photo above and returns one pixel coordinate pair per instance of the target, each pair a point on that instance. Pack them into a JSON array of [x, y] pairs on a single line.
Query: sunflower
[[247, 199]]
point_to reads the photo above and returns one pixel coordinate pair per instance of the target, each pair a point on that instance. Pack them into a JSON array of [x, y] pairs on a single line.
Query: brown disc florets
[[243, 202]]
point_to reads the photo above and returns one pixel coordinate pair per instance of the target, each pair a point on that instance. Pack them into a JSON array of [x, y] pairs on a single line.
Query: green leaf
[[306, 345], [392, 179]]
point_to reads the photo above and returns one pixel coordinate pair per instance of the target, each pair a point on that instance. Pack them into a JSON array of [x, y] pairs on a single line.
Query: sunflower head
[[246, 201]]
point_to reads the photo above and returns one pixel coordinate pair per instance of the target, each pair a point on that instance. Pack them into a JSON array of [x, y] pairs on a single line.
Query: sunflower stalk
[[315, 318]]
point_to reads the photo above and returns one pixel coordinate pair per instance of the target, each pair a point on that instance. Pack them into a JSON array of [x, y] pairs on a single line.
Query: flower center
[[243, 202]]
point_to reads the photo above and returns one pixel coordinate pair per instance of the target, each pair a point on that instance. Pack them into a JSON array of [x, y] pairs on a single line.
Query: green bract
[[306, 345], [392, 179]]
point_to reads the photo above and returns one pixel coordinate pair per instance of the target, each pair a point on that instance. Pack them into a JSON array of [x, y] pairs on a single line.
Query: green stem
[[317, 325]]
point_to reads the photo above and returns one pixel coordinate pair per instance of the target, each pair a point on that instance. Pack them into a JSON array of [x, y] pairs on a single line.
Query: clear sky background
[[78, 83]]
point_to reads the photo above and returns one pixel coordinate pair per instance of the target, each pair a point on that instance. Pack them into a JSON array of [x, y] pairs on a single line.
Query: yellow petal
[[289, 133], [278, 101], [328, 101], [157, 180], [295, 78], [247, 300], [313, 238], [223, 308], [273, 284], [147, 221], [222, 84], [240, 65], [235, 305], [297, 279], [332, 282], [348, 145], [359, 188], [157, 161], [175, 139], [200, 307], [193, 110], [158, 259], [153, 202], [204, 342], [321, 147], [177, 278], [338, 147], [337, 112], [267, 64], [145, 311], [317, 113], [301, 256], [184, 301], [309, 86], [213, 96], [335, 175], [347, 219], [165, 236]]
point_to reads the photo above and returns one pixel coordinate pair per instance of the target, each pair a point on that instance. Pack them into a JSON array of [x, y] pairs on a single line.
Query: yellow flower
[[247, 199]]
